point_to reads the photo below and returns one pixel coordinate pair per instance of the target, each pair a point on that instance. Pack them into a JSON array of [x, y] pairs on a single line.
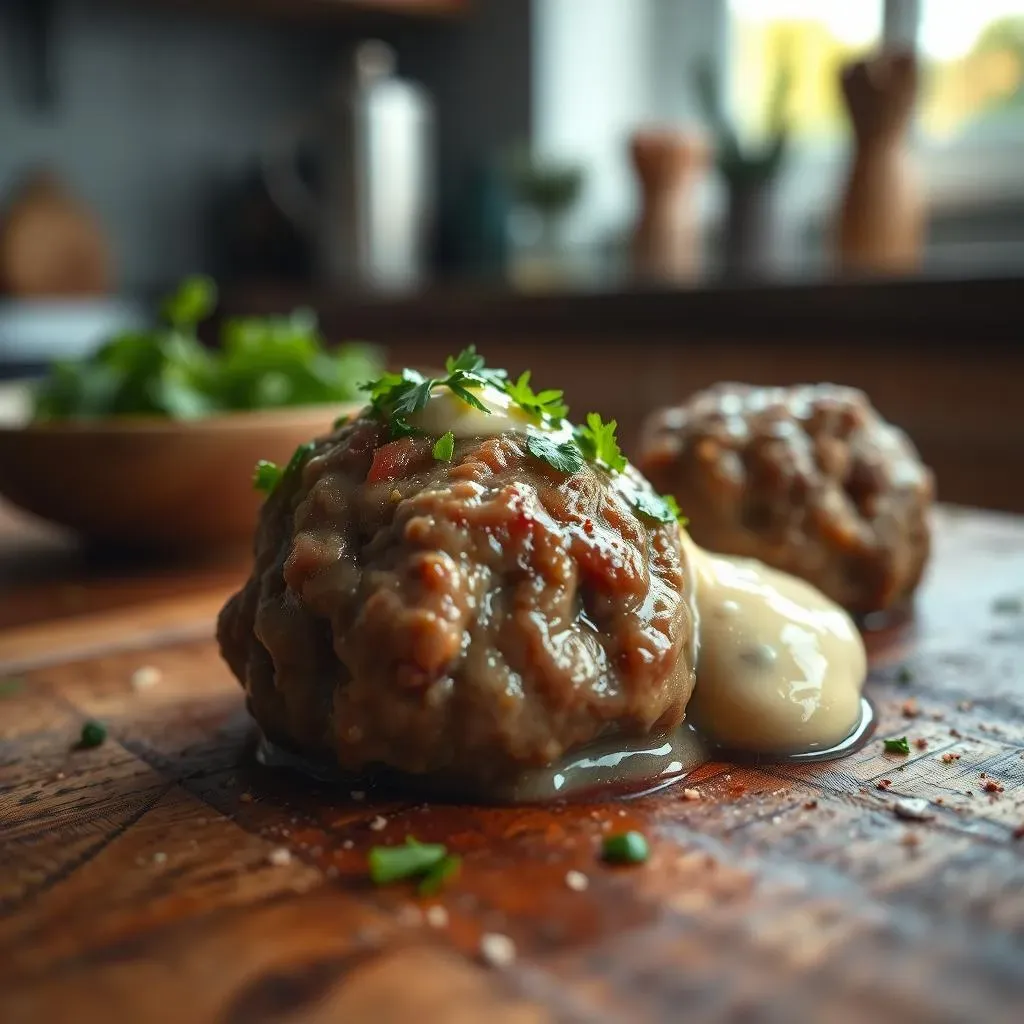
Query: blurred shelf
[[934, 308], [317, 9]]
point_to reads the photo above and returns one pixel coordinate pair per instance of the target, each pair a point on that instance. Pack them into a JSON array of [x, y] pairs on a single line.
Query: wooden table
[[165, 876]]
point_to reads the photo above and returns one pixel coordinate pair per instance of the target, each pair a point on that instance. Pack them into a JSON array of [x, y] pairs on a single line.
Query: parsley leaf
[[299, 456], [266, 476], [193, 301], [900, 746], [663, 509], [469, 361], [444, 447], [413, 860], [544, 403], [598, 443], [565, 457], [459, 384]]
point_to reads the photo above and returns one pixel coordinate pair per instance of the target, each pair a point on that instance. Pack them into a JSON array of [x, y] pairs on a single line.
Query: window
[[973, 55], [813, 40]]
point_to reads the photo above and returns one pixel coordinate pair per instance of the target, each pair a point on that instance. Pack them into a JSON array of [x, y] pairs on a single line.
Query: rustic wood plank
[[137, 880]]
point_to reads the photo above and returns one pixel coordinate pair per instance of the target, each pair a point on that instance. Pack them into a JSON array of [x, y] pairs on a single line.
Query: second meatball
[[808, 479]]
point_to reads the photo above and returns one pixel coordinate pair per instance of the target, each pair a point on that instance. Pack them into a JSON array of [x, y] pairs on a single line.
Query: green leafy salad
[[261, 363]]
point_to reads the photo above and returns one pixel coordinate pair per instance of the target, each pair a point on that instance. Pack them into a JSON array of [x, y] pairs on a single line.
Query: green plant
[[744, 163], [261, 363], [551, 187]]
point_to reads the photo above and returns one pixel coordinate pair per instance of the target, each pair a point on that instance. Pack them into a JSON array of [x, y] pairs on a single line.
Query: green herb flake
[[413, 860], [440, 874], [565, 457], [625, 848], [93, 734], [900, 746], [266, 476], [444, 447], [598, 442], [9, 687], [537, 403], [299, 456], [905, 676], [662, 509], [1008, 605]]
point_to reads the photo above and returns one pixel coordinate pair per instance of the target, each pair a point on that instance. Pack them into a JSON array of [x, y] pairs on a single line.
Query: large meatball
[[465, 618], [809, 479]]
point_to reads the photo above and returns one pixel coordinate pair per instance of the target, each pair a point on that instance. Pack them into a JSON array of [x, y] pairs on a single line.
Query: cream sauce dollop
[[780, 667]]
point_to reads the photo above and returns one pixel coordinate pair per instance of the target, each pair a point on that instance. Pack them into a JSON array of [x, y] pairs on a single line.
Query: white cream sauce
[[780, 667], [445, 412]]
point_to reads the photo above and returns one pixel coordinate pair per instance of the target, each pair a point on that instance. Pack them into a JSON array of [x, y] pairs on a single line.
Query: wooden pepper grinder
[[881, 219], [665, 241]]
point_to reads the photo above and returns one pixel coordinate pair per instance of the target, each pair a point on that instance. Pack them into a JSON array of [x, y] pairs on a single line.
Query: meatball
[[808, 479], [464, 619]]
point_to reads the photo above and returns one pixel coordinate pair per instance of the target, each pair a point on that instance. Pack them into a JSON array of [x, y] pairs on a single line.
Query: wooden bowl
[[138, 482]]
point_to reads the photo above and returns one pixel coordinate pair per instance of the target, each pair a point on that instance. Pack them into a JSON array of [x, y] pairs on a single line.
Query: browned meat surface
[[809, 479], [466, 618]]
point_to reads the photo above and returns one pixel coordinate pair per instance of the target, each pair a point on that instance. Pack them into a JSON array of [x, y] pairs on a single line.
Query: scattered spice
[[949, 757], [910, 708], [1018, 832], [883, 783], [576, 880], [956, 734], [691, 794], [810, 805], [897, 746], [991, 786], [625, 848], [911, 839], [379, 823], [921, 743], [93, 734], [497, 950], [280, 857]]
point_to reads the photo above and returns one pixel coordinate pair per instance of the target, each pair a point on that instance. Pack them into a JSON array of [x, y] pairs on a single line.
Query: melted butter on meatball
[[445, 412]]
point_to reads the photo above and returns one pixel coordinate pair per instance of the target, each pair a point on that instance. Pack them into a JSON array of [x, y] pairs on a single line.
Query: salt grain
[[347, 844], [691, 794], [379, 823], [913, 809], [280, 857], [576, 880], [497, 950], [145, 677], [437, 916], [159, 858]]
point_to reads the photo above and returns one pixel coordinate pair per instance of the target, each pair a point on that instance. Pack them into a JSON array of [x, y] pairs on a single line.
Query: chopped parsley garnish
[[565, 457], [439, 875], [470, 362], [625, 848], [444, 447], [905, 676], [537, 403], [663, 509], [598, 443], [266, 476], [299, 456], [93, 734], [900, 746], [413, 860]]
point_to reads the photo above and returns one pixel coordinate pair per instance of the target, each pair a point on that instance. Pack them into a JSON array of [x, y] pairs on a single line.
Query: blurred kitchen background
[[635, 197]]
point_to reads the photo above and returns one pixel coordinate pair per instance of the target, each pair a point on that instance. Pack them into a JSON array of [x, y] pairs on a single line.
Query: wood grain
[[136, 879]]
